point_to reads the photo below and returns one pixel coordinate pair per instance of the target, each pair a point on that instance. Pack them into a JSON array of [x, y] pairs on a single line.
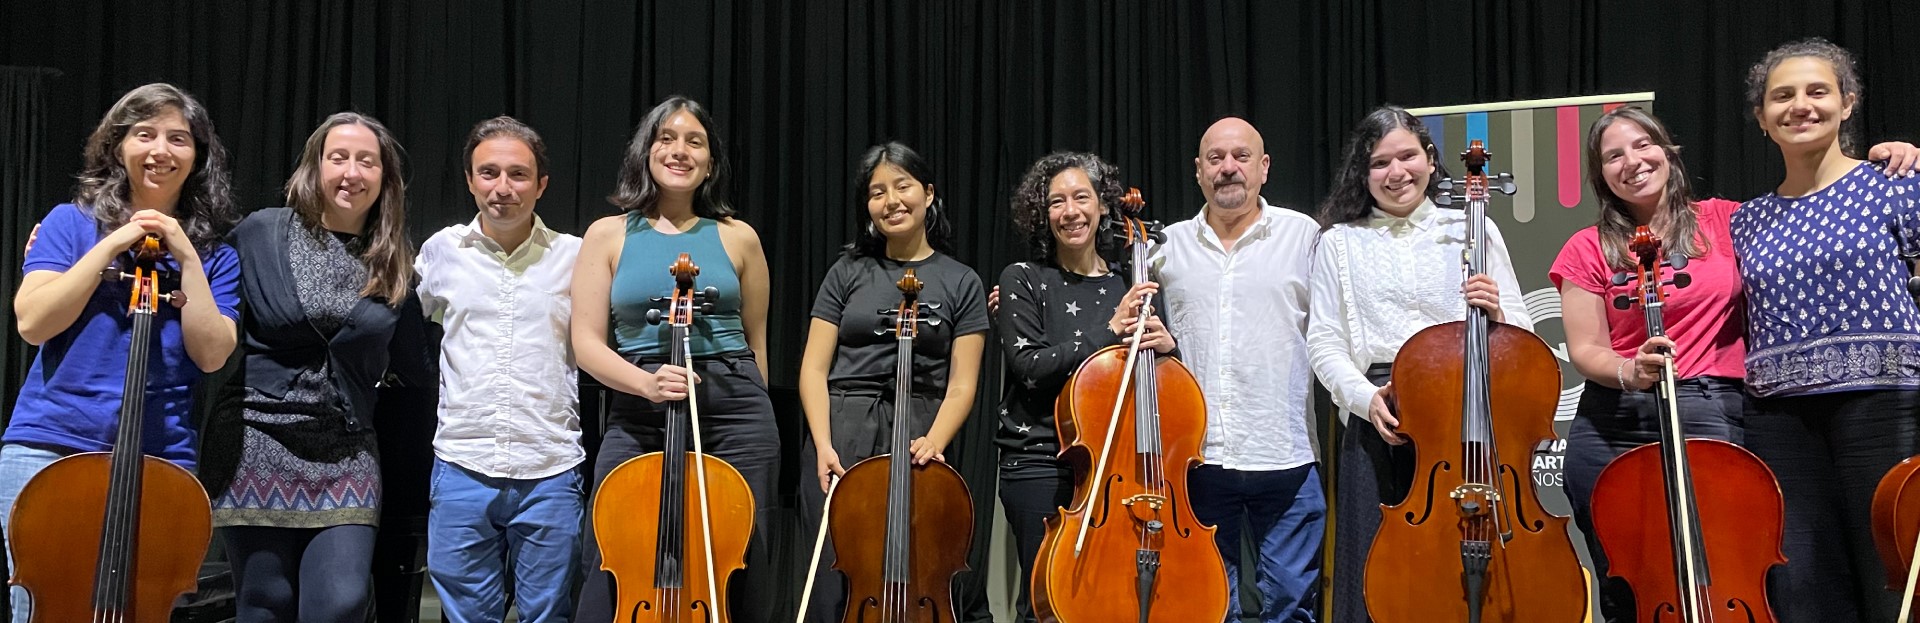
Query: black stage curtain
[[982, 88]]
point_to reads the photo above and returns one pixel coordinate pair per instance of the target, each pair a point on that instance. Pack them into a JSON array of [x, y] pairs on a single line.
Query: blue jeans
[[481, 528], [18, 464], [1284, 513]]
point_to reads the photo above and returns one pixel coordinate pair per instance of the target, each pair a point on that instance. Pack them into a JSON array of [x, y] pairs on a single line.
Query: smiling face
[[1802, 107], [680, 159], [158, 153], [350, 169], [1074, 210], [897, 202], [1398, 171], [505, 182], [1232, 165], [1634, 165]]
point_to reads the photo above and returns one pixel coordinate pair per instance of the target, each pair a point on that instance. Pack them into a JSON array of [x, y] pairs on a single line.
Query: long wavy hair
[[383, 246], [205, 209], [1673, 220], [869, 242], [1030, 203], [638, 192], [1350, 201]]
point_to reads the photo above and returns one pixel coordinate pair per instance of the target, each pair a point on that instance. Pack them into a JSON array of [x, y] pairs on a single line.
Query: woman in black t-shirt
[[847, 373], [1055, 312]]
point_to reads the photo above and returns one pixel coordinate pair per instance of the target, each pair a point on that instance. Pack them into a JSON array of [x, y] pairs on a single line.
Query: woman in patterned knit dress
[[1055, 315], [1386, 266], [324, 283], [1833, 337]]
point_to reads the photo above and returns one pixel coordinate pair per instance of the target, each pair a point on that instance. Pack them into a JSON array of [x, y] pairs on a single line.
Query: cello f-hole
[[1519, 510], [1426, 510]]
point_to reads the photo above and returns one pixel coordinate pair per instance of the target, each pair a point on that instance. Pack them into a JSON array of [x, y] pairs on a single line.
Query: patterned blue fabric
[[1827, 304]]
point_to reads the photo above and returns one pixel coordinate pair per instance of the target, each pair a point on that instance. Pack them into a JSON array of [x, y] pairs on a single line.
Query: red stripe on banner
[[1607, 108], [1567, 139]]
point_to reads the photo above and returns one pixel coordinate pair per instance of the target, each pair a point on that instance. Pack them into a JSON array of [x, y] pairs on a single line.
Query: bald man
[[1234, 281]]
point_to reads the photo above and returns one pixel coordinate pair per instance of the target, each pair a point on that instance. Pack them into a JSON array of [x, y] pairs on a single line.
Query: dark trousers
[[312, 575], [737, 426], [1610, 422], [1829, 451], [1372, 472], [1283, 513], [1032, 490]]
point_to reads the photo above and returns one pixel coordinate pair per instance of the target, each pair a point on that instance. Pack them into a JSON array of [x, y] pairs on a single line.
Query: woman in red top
[[1635, 170]]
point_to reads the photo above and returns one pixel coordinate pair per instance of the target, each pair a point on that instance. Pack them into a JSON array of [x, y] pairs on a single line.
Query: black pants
[[300, 574], [1610, 422], [1372, 472], [1032, 490], [1829, 451], [736, 425]]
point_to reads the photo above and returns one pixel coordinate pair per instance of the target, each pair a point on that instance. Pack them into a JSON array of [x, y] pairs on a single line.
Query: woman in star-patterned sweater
[[1054, 312], [1833, 337]]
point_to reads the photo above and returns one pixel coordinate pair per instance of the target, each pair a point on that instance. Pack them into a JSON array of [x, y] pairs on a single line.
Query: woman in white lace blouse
[[1387, 265]]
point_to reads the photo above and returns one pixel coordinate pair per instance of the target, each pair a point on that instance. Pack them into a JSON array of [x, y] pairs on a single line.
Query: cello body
[[59, 513], [1414, 568], [1079, 588], [1740, 531], [941, 517], [630, 497]]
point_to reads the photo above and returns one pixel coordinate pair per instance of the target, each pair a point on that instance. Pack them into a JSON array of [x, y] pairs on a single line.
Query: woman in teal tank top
[[673, 193]]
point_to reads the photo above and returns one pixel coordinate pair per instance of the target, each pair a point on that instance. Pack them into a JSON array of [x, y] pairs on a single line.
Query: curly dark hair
[[1350, 200], [1845, 69], [205, 209], [1030, 202], [868, 241], [637, 190]]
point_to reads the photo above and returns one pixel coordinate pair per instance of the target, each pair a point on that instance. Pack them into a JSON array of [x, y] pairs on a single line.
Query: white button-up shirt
[[509, 392], [1377, 283], [1241, 319]]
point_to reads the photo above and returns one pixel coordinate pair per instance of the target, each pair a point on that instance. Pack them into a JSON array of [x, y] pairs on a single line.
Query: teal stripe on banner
[[1476, 128]]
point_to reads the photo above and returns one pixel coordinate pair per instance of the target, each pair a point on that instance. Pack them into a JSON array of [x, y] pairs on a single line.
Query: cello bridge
[[1154, 502], [1475, 499]]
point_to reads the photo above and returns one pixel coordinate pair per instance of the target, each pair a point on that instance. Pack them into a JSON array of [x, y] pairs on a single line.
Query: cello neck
[[1146, 387], [113, 577], [900, 463]]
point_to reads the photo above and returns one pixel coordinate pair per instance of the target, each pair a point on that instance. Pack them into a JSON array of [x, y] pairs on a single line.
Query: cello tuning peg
[[1445, 184], [1681, 280], [1620, 279], [1677, 260], [932, 321], [709, 294], [706, 307], [1505, 184], [1443, 199], [1622, 302], [654, 316], [176, 298]]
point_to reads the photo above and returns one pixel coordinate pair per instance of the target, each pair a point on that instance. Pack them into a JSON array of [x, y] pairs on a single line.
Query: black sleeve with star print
[[1049, 322]]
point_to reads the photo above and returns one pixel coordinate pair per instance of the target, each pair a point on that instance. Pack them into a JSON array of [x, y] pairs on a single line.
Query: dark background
[[982, 88]]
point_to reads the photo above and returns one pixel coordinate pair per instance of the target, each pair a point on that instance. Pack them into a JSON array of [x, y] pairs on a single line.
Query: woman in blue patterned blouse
[[1833, 359]]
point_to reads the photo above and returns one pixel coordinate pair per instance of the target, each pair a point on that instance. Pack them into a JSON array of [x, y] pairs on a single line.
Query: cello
[[672, 545], [1132, 512], [146, 519], [1471, 542], [1694, 544], [1896, 530], [901, 531]]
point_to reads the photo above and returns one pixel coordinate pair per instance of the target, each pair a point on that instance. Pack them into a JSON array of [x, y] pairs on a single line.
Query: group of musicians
[[1796, 339]]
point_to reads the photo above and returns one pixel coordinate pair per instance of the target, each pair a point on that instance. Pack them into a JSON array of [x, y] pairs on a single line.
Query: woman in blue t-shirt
[[153, 167], [1833, 337]]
